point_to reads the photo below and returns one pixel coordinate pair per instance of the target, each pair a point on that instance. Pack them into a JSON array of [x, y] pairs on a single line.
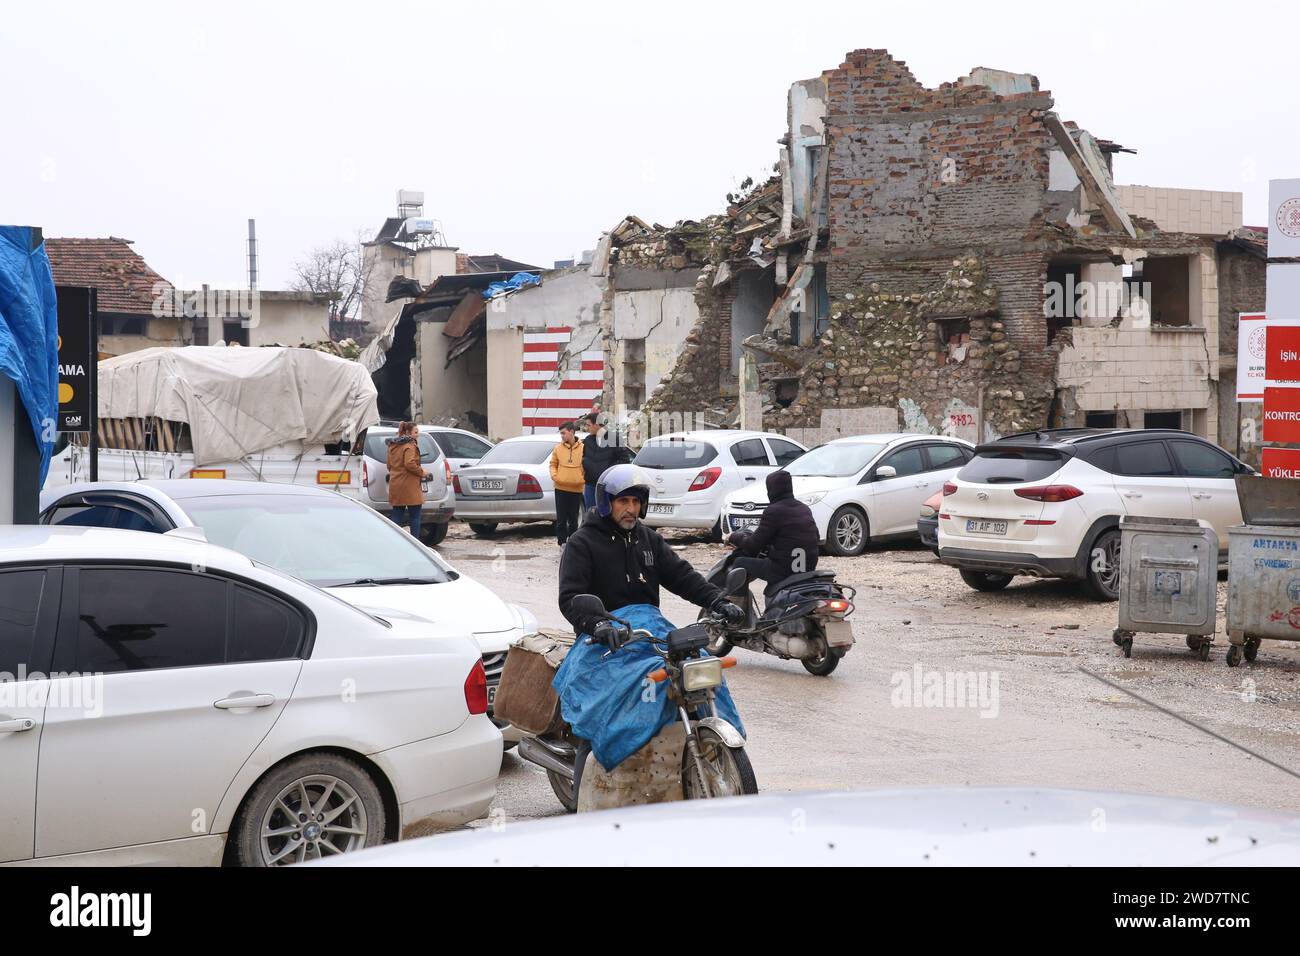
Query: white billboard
[[1283, 218]]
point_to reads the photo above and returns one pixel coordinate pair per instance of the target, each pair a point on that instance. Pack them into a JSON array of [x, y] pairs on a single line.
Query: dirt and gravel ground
[[1042, 721]]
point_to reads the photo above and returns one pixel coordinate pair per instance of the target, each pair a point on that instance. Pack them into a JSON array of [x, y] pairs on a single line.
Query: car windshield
[[834, 461], [675, 454], [322, 539], [520, 452], [377, 447]]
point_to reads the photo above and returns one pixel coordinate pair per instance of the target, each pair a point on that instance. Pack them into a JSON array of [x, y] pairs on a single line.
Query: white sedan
[[511, 483], [693, 472], [313, 534], [861, 488], [178, 703]]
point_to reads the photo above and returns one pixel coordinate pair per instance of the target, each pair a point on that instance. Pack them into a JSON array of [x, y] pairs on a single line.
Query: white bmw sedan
[[861, 488], [314, 534], [693, 472], [167, 701]]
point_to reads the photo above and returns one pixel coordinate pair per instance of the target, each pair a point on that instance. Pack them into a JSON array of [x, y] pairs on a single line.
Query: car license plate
[[975, 526], [487, 484], [744, 524], [662, 509]]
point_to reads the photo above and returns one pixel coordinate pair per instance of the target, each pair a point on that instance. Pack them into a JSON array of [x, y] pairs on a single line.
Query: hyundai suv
[[1048, 503]]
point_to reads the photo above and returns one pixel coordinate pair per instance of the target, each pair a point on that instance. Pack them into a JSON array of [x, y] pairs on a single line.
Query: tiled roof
[[124, 280]]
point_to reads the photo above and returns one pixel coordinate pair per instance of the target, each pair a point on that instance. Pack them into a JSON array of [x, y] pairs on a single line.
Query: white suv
[[1045, 503]]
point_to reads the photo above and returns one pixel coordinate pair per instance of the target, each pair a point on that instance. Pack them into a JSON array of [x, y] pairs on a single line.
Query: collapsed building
[[954, 260]]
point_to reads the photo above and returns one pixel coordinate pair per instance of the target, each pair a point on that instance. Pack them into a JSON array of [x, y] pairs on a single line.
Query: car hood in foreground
[[941, 826]]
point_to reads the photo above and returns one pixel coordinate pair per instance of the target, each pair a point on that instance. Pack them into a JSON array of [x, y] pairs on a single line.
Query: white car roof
[[889, 438], [42, 543], [716, 434]]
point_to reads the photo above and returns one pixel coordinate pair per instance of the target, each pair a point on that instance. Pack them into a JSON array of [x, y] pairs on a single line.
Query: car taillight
[[705, 479], [455, 483], [1049, 493], [949, 488], [446, 470], [476, 689], [528, 483], [365, 474]]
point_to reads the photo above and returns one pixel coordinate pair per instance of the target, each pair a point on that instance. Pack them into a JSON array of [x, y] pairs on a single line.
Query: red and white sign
[[1251, 351], [558, 386], [1281, 463], [1283, 218], [1282, 354], [1282, 415]]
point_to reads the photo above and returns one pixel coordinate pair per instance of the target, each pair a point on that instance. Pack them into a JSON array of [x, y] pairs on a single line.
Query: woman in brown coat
[[405, 473]]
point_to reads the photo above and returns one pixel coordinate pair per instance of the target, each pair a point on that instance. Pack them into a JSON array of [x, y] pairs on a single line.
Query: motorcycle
[[806, 618], [714, 763]]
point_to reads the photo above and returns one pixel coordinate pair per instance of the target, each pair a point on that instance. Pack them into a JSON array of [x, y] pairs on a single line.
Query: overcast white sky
[[533, 127]]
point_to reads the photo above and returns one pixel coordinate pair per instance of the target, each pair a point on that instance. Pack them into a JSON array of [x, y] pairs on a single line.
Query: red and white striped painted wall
[[549, 403]]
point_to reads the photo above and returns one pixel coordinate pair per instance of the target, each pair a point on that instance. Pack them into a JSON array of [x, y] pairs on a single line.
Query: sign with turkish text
[[77, 356], [1282, 414], [1251, 351], [1282, 358], [1281, 463]]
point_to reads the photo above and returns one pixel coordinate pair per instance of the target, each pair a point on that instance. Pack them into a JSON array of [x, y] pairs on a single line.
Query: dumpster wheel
[[1234, 655], [1250, 649], [1124, 640]]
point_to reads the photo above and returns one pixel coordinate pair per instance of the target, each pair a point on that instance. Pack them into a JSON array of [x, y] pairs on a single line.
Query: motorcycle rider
[[621, 561], [787, 531]]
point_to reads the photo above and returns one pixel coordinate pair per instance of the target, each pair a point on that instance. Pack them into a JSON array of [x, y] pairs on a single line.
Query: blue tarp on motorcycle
[[608, 700], [29, 332]]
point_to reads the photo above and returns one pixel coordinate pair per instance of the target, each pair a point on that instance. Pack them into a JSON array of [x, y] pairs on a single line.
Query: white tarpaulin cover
[[238, 401]]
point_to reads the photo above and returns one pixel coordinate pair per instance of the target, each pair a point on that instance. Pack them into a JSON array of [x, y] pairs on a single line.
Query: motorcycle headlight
[[813, 498], [702, 674]]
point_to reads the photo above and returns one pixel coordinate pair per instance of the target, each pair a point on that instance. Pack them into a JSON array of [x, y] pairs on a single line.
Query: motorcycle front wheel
[[730, 770]]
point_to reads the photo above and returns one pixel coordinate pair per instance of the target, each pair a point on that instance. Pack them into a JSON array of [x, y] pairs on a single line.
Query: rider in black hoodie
[[787, 531]]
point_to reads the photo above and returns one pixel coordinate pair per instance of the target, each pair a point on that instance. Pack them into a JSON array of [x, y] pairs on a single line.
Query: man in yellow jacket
[[566, 475]]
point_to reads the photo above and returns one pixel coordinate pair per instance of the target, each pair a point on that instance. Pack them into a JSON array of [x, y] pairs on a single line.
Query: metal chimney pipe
[[252, 254]]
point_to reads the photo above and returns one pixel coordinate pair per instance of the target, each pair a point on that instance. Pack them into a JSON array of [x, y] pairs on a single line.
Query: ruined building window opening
[[1162, 420], [634, 373], [819, 301], [124, 325], [234, 333], [954, 338], [1169, 281], [1061, 296], [1101, 420], [785, 391]]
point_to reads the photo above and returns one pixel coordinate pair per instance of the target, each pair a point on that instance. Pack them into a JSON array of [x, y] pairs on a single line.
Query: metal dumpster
[[1264, 566], [1168, 581]]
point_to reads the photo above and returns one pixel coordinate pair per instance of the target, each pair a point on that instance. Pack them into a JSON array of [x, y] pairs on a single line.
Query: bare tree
[[337, 270]]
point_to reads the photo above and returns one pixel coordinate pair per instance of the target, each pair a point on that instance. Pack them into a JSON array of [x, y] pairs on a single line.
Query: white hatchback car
[[1048, 503], [315, 535], [861, 488], [693, 472], [168, 701]]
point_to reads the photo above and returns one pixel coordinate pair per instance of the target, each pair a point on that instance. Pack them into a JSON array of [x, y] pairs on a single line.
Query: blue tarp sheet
[[29, 332], [520, 280], [608, 700]]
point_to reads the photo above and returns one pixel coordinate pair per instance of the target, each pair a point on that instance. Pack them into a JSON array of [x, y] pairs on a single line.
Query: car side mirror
[[885, 472], [588, 605], [737, 578]]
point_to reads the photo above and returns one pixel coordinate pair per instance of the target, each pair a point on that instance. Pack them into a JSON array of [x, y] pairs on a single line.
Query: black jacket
[[596, 457], [787, 527], [624, 568]]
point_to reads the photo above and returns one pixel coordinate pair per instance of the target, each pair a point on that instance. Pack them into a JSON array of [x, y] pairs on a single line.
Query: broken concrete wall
[[1241, 270], [567, 299]]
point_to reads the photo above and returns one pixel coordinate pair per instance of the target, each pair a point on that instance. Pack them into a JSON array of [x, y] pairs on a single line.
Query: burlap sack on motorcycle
[[525, 697]]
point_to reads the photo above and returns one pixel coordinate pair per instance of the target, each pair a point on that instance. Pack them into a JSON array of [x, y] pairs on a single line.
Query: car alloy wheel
[[313, 817], [849, 532]]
